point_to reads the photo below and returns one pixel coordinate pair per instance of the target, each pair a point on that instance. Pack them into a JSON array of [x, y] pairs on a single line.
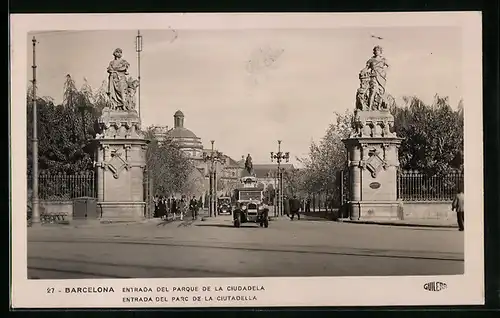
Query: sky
[[246, 89]]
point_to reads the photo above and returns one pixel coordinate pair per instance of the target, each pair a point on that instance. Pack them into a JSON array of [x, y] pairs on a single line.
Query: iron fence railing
[[417, 186], [62, 186]]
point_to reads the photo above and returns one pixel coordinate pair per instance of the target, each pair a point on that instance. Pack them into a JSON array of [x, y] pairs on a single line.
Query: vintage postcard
[[246, 160]]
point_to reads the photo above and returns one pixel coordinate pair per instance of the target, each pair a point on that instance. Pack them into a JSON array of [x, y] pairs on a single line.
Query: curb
[[103, 224], [449, 226]]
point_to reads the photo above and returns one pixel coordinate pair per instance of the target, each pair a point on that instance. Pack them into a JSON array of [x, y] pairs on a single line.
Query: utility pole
[[212, 205], [275, 198], [214, 157], [138, 49], [280, 156], [35, 217], [212, 194]]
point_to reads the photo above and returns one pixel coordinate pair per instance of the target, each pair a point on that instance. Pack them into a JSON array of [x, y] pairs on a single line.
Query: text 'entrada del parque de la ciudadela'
[[180, 295]]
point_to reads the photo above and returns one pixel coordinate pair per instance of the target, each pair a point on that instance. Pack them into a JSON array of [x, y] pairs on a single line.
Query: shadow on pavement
[[165, 222], [186, 223], [227, 225]]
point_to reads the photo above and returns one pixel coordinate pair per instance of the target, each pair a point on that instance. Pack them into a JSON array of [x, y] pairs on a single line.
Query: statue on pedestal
[[371, 94], [372, 147], [362, 93], [249, 165], [121, 88]]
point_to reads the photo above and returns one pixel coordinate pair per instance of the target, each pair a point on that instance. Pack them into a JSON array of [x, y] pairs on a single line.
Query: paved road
[[213, 248]]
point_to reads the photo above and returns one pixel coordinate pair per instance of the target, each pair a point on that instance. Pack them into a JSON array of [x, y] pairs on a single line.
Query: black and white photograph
[[176, 160]]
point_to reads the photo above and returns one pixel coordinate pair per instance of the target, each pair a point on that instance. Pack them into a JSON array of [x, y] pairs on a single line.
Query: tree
[[168, 165], [269, 193], [227, 185], [194, 184], [293, 180], [65, 130], [432, 135], [327, 157]]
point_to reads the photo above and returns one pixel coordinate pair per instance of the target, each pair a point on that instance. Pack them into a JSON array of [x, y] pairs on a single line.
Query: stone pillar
[[376, 170], [355, 186], [120, 163], [373, 168]]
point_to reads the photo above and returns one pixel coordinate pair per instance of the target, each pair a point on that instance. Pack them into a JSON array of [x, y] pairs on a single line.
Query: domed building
[[191, 145], [185, 138]]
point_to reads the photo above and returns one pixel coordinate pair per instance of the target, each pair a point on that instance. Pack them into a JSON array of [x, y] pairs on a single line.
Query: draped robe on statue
[[377, 65], [117, 85]]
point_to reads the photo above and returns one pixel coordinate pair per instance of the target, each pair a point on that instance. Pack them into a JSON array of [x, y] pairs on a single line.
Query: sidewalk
[[433, 223]]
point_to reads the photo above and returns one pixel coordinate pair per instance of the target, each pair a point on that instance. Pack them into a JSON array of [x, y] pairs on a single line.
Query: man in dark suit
[[162, 208], [294, 207], [174, 207], [458, 206], [193, 206]]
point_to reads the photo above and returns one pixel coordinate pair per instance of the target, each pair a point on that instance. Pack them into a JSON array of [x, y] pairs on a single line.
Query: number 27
[[50, 290]]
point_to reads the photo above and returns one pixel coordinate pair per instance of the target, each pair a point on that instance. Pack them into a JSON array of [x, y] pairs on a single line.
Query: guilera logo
[[435, 286]]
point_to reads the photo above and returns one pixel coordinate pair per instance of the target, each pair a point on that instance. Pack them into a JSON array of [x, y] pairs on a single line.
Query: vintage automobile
[[251, 212], [224, 205], [249, 207]]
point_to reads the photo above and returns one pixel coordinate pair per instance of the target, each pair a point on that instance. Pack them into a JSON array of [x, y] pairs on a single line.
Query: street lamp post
[[214, 157], [138, 49], [275, 199], [35, 215], [279, 157]]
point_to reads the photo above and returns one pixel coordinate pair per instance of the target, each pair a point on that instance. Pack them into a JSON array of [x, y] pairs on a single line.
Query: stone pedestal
[[120, 162], [373, 162]]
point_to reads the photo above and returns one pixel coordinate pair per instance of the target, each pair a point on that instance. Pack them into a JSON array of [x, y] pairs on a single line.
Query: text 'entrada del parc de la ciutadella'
[[179, 294]]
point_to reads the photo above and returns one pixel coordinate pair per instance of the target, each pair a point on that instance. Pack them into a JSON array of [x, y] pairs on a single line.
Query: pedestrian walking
[[286, 206], [308, 205], [193, 207], [294, 207], [156, 201], [182, 206], [175, 207], [458, 207], [162, 208]]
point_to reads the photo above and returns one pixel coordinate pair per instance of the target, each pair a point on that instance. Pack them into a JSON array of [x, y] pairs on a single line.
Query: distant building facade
[[229, 173], [187, 141], [160, 132]]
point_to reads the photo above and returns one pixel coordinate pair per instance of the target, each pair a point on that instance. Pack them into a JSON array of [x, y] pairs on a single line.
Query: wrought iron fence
[[416, 186], [62, 186]]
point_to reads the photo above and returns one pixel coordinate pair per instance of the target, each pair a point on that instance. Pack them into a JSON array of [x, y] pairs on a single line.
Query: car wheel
[[237, 221]]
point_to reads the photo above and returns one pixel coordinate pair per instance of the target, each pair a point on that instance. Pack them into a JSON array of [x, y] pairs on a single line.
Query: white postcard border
[[293, 291]]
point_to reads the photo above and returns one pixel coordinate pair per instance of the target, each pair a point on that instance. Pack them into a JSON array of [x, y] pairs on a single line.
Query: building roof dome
[[184, 137], [181, 132]]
